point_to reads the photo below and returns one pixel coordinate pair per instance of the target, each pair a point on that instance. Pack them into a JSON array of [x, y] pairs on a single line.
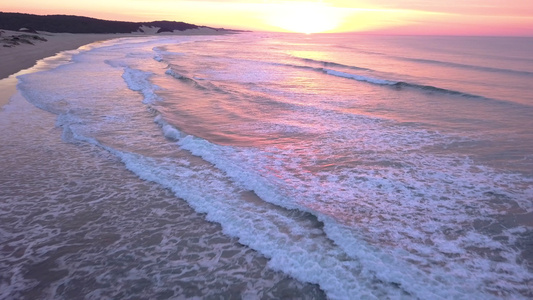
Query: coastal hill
[[76, 24]]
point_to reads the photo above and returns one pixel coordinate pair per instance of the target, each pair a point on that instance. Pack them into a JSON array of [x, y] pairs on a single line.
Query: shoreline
[[23, 56]]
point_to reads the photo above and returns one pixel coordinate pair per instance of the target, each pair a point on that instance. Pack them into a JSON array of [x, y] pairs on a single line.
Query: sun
[[305, 17]]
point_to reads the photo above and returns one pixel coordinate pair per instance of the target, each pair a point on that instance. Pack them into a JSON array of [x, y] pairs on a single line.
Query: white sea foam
[[136, 80], [384, 266]]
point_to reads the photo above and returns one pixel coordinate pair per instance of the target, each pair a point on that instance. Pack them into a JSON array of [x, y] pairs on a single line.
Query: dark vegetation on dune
[[75, 24]]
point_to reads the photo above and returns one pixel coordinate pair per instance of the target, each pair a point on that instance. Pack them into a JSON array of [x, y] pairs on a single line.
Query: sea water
[[340, 166]]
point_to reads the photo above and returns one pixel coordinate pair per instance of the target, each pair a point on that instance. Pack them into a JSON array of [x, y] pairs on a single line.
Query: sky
[[426, 17]]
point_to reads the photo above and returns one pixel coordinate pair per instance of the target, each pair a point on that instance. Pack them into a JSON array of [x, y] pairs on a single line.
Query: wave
[[428, 61], [185, 79], [160, 57], [359, 77], [135, 80], [332, 64], [398, 84], [464, 66], [403, 84], [338, 73], [434, 89], [374, 80]]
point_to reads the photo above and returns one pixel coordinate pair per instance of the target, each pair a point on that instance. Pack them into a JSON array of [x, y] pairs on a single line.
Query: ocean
[[271, 166]]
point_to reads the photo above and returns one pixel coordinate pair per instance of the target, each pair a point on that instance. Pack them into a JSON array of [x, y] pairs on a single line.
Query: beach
[[307, 167]]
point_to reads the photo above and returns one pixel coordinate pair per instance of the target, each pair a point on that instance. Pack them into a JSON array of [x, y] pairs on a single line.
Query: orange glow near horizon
[[474, 17]]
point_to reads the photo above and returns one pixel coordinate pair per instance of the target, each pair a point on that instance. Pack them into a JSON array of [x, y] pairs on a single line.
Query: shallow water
[[373, 167]]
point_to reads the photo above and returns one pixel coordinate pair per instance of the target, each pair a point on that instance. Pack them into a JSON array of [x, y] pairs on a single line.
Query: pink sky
[[467, 17]]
